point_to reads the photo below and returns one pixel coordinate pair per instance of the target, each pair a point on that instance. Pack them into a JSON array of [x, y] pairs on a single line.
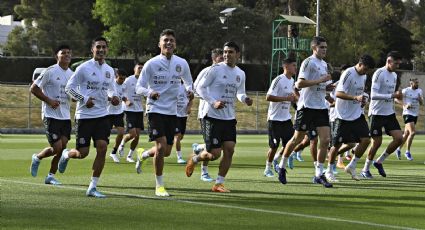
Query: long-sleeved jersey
[[131, 95], [383, 86]]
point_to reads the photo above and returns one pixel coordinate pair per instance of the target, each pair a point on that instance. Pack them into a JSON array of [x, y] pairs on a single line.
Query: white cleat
[[129, 159], [114, 158], [121, 150], [160, 191], [331, 178], [352, 172]]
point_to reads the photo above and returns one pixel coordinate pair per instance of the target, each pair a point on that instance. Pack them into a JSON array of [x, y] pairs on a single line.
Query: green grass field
[[256, 202]]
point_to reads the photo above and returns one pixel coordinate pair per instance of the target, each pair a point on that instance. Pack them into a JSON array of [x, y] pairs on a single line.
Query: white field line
[[224, 206]]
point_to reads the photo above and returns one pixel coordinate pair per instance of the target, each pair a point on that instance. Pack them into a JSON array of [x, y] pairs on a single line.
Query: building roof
[[289, 19]]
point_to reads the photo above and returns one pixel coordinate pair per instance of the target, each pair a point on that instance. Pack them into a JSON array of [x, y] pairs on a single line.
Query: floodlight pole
[[317, 17]]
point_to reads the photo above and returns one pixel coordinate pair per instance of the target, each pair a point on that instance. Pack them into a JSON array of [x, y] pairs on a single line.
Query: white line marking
[[224, 206]]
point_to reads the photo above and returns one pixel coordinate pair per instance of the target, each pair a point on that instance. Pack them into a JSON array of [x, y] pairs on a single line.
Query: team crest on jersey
[[93, 74], [154, 132], [130, 125], [375, 131], [178, 68], [107, 74], [224, 77], [54, 136], [238, 78], [82, 141], [215, 141], [340, 139]]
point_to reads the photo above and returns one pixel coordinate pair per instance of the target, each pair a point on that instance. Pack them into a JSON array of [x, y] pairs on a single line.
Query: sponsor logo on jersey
[[107, 74], [238, 78], [178, 68]]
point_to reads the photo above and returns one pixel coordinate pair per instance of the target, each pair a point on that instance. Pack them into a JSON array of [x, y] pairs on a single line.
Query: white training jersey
[[222, 83], [353, 84], [92, 80], [282, 87], [164, 76], [117, 109], [52, 82], [182, 102], [131, 95], [383, 86], [411, 97], [313, 97], [202, 104], [332, 111]]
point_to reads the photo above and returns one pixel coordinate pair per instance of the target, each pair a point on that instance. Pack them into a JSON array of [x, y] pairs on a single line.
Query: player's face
[[230, 56], [393, 64], [218, 59], [363, 69], [99, 50], [119, 79], [320, 50], [64, 56], [138, 69], [167, 44], [414, 84], [291, 69]]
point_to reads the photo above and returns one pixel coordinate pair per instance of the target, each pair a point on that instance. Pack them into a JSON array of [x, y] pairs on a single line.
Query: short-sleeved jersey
[[131, 95], [164, 76], [383, 86], [222, 83], [332, 111], [92, 80], [52, 82], [313, 97], [282, 87], [117, 109], [411, 97], [353, 84], [182, 102]]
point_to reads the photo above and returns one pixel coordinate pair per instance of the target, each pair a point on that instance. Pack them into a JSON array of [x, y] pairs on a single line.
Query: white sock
[[51, 175], [65, 154], [276, 157], [299, 153], [159, 181], [204, 169], [329, 169], [367, 164], [179, 154], [319, 169], [93, 182], [268, 164], [315, 164], [195, 159], [382, 158], [353, 162], [145, 155], [36, 159], [219, 180], [130, 153], [122, 143]]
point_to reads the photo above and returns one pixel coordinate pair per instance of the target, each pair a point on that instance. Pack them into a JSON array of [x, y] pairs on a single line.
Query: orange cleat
[[340, 165], [219, 188], [190, 166]]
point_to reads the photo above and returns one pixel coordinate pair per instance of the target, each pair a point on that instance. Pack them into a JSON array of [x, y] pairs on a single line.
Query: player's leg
[[224, 166], [412, 132]]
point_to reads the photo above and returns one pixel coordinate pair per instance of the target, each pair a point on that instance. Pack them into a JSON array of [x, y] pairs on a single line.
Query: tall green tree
[[19, 43]]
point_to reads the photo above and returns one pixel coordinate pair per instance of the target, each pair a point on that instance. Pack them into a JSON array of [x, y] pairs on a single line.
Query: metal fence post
[[29, 109]]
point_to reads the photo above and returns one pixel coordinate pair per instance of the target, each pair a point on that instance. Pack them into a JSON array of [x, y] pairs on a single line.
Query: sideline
[[221, 206]]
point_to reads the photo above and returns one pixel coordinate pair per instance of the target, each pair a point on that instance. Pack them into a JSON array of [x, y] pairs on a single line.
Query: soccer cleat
[[268, 173], [121, 150], [276, 166], [34, 165], [190, 166], [408, 156], [139, 161], [331, 178], [352, 172], [299, 158], [94, 193], [51, 180], [181, 161], [282, 176], [63, 162], [160, 191], [340, 165], [114, 158], [380, 168], [291, 162], [322, 180], [130, 160], [398, 153], [219, 188], [206, 177], [334, 169], [366, 174]]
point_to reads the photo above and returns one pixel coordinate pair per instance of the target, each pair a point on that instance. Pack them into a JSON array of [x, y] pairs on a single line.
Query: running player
[[184, 106]]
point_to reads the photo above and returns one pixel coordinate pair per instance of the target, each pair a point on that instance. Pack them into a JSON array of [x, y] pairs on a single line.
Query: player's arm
[[202, 89], [187, 81], [273, 92], [189, 107], [36, 90], [72, 86], [142, 86], [303, 77], [241, 94], [113, 93], [421, 98]]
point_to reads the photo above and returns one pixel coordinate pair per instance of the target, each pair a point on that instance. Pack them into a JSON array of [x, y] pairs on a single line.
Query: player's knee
[[412, 133]]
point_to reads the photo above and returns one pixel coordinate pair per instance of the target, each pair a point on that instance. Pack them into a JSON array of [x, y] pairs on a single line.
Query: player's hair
[[167, 32], [317, 40], [344, 67], [139, 63], [99, 39], [367, 60], [232, 44], [288, 61], [394, 55], [61, 47], [414, 79], [121, 72], [215, 52]]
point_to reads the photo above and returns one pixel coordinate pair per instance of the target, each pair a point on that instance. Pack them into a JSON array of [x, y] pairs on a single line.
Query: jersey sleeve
[[72, 87], [241, 94], [43, 78], [204, 83], [142, 82], [187, 77], [274, 87], [344, 83], [305, 69], [376, 84]]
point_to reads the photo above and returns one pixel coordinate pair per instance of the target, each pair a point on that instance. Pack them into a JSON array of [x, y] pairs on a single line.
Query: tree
[[19, 43], [6, 7], [415, 21]]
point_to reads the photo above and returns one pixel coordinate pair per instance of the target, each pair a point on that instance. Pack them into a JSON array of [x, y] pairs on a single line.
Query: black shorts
[[218, 131], [55, 129], [181, 125], [134, 120], [350, 131], [116, 120], [389, 122], [310, 119], [94, 128], [280, 130], [409, 118], [160, 125]]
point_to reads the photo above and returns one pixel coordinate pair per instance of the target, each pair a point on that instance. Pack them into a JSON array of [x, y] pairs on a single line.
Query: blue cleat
[[380, 168], [276, 166], [94, 193], [366, 174], [282, 176], [291, 162], [206, 177], [408, 156], [51, 180], [398, 153], [268, 173], [322, 180], [299, 158], [63, 162], [334, 169], [35, 162]]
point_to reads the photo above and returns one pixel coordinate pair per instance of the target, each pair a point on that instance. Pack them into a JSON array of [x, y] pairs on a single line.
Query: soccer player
[[116, 112], [223, 83], [160, 82], [281, 95], [382, 114], [350, 124], [412, 99], [216, 57], [133, 110], [312, 112], [92, 86], [49, 88], [184, 106]]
